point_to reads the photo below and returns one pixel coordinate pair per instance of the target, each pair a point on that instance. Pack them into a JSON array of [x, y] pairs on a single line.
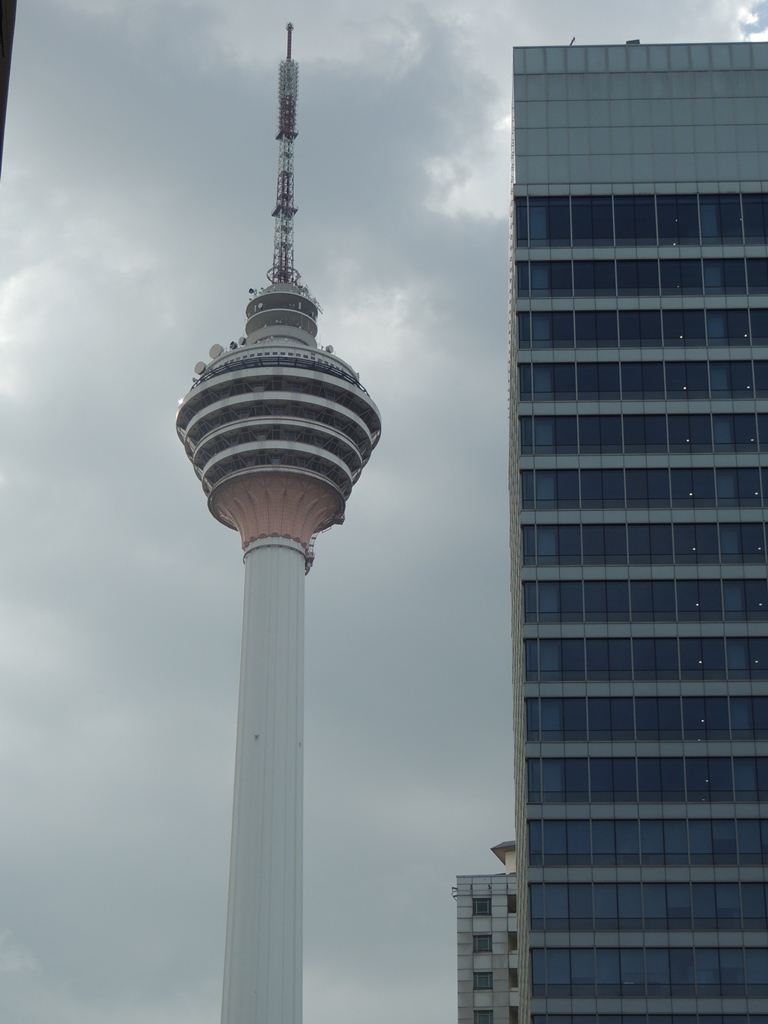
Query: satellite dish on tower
[[215, 350], [200, 367]]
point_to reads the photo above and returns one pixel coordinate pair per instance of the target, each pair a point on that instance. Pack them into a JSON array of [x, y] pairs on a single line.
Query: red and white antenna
[[283, 271]]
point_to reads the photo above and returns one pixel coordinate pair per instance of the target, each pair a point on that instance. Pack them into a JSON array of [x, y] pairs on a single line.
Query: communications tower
[[278, 430]]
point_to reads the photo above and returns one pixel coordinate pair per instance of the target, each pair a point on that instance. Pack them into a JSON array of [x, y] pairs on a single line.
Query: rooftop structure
[[278, 430]]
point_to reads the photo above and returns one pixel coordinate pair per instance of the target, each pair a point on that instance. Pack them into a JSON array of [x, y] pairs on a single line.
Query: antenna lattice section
[[283, 270]]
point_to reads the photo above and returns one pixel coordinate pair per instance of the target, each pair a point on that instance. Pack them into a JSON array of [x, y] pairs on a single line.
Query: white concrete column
[[263, 959]]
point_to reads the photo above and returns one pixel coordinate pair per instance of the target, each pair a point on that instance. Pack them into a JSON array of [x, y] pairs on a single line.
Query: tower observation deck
[[278, 430]]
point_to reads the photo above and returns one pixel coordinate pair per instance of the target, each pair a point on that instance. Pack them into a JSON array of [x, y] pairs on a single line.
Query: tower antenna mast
[[283, 270]]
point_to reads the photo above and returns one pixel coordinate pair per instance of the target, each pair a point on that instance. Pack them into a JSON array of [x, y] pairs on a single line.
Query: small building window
[[481, 943], [481, 906], [483, 1017], [483, 980]]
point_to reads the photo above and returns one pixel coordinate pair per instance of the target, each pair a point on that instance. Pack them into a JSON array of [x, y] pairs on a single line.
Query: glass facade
[[639, 485]]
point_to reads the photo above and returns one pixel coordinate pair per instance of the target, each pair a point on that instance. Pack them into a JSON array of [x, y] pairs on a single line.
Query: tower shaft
[[263, 958]]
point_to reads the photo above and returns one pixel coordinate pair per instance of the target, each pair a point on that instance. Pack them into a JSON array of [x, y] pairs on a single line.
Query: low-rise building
[[486, 913]]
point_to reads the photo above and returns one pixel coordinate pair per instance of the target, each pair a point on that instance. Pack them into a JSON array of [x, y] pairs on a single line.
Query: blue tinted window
[[755, 212], [635, 220]]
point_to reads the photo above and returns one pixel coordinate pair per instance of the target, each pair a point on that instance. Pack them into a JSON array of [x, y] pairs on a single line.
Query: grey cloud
[[137, 185]]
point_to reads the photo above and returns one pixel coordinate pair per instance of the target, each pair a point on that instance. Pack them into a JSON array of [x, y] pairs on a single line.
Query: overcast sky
[[135, 201]]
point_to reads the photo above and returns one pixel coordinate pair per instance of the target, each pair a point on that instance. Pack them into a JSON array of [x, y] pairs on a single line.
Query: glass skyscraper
[[639, 484]]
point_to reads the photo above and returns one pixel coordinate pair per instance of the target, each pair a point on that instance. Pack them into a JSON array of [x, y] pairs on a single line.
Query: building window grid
[[637, 972], [637, 278], [641, 220], [643, 434], [733, 543], [648, 906], [675, 220], [654, 780], [736, 718], [652, 1018], [697, 600], [646, 658], [648, 841], [639, 381], [640, 328], [725, 487]]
